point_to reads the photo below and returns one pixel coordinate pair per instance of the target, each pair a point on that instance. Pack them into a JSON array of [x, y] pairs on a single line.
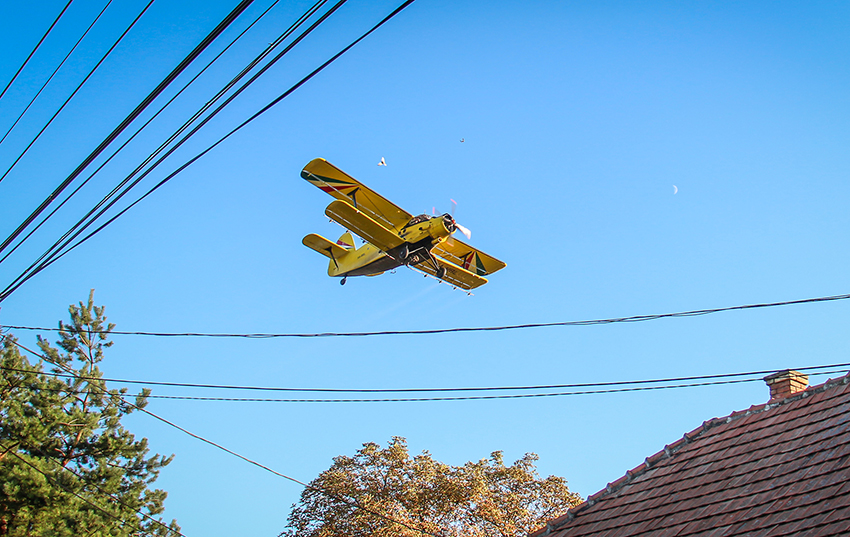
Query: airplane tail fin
[[346, 241]]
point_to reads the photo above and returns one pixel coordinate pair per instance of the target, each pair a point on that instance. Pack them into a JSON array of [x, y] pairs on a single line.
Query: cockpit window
[[418, 219]]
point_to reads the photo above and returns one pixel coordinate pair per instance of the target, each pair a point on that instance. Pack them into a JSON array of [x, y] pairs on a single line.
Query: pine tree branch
[[8, 449]]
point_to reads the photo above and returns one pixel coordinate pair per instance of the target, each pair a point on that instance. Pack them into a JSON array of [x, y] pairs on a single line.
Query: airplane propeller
[[466, 232], [451, 223]]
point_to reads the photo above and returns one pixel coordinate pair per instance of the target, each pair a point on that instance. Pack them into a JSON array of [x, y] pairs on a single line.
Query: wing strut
[[330, 252], [433, 259]]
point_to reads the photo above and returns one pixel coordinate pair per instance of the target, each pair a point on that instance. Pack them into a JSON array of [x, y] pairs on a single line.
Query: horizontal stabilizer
[[347, 216], [324, 246]]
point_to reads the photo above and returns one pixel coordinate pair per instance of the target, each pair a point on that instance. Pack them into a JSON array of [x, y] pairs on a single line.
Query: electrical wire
[[21, 68], [678, 380], [73, 93], [118, 500], [80, 226], [350, 503], [450, 398], [56, 70], [132, 116], [592, 322], [133, 136], [83, 224], [459, 398], [609, 387], [58, 485], [22, 279]]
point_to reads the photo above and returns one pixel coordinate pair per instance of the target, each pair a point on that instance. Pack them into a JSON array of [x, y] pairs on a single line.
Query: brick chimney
[[786, 383]]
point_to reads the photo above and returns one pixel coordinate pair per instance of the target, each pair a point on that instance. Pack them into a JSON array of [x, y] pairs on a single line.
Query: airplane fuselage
[[421, 234]]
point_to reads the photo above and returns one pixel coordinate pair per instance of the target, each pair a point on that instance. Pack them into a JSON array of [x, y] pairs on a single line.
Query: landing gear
[[404, 253], [342, 281], [441, 273]]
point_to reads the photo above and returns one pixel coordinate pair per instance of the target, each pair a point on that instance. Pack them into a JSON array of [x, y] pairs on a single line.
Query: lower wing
[[455, 275], [464, 255]]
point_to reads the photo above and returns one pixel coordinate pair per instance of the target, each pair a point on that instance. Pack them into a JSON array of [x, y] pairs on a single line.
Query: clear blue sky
[[578, 119]]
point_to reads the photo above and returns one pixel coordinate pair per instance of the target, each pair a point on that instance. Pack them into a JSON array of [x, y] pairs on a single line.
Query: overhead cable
[[56, 256], [88, 219], [459, 398], [52, 479], [133, 136], [132, 116], [351, 503], [46, 82], [21, 68], [447, 398], [615, 320], [73, 93], [814, 370]]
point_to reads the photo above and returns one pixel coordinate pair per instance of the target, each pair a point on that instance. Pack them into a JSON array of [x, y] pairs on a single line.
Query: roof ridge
[[670, 450]]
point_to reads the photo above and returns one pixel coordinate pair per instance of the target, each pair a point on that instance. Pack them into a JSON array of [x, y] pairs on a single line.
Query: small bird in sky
[[461, 140], [383, 162]]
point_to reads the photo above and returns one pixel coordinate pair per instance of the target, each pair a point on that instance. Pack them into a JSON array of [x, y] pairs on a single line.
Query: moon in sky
[[675, 189]]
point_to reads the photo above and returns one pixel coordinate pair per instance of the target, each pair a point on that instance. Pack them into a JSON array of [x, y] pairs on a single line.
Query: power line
[[592, 322], [608, 387], [133, 136], [118, 500], [56, 70], [22, 279], [59, 485], [355, 504], [678, 380], [21, 68], [350, 503], [347, 502], [460, 398], [80, 85], [82, 225], [132, 116]]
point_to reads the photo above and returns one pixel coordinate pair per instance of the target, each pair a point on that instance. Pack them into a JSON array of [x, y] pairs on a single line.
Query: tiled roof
[[781, 468]]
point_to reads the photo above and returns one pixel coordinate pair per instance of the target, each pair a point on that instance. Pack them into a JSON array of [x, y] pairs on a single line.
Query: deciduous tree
[[484, 498], [67, 465]]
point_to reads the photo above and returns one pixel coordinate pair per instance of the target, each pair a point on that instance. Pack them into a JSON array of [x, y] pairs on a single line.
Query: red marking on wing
[[467, 259], [332, 188]]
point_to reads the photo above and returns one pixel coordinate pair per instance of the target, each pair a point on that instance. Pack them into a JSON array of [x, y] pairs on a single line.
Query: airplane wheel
[[441, 272], [342, 281], [404, 253]]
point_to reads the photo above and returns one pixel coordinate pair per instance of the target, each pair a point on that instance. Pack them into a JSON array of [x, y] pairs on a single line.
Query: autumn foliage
[[386, 492]]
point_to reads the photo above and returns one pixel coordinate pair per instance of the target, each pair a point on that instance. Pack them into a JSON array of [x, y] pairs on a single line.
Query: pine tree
[[67, 465]]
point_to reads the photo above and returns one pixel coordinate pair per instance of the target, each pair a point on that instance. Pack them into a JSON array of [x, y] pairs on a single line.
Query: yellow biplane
[[393, 236]]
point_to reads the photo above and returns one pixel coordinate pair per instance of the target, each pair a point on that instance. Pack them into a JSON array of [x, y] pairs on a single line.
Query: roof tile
[[781, 468]]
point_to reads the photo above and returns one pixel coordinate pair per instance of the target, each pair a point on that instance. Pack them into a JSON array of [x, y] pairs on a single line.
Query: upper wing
[[467, 257], [454, 274], [360, 223], [342, 186]]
